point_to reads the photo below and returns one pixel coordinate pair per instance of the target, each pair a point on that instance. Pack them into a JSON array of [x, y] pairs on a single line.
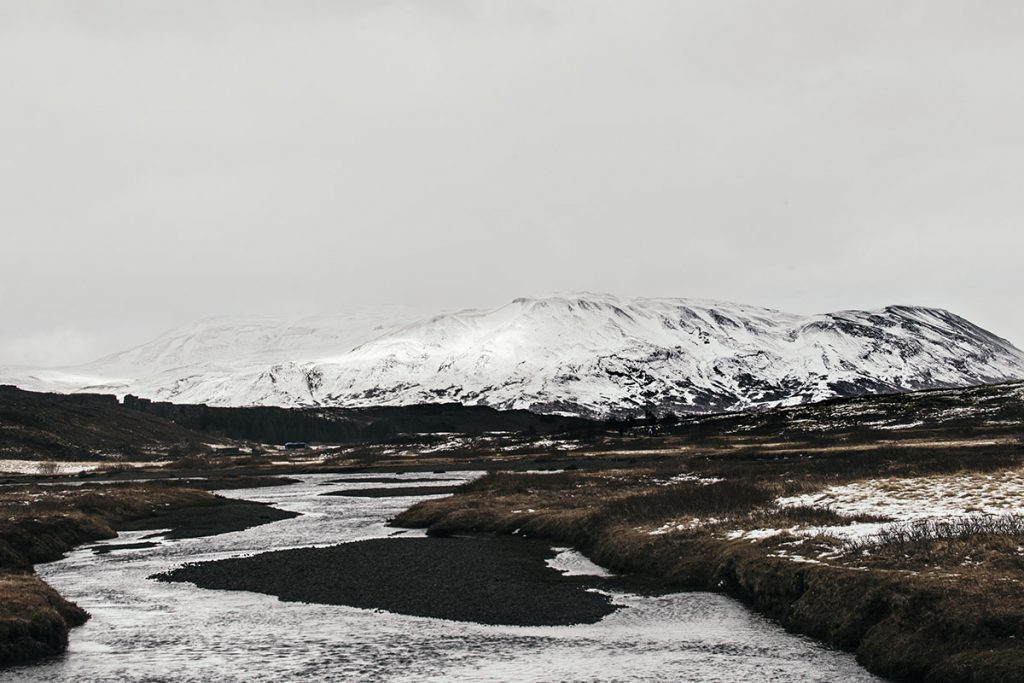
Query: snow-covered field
[[894, 501], [899, 501], [935, 496], [54, 467]]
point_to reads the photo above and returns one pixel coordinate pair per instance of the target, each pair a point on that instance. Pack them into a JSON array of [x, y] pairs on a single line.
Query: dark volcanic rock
[[488, 580], [40, 426]]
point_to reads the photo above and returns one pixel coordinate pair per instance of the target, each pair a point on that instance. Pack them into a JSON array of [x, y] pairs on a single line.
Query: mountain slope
[[254, 339], [217, 351], [594, 355]]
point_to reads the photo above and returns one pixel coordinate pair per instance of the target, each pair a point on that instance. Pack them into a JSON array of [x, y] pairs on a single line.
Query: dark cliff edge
[[343, 425], [43, 426]]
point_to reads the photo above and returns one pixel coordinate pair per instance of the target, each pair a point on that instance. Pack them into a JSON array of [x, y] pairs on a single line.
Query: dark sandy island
[[209, 520], [482, 579], [109, 548], [395, 491], [387, 480]]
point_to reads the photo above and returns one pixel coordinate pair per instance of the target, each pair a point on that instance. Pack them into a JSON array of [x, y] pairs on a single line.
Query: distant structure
[[296, 445]]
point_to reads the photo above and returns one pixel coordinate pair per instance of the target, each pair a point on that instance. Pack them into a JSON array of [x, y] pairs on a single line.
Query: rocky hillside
[[38, 426]]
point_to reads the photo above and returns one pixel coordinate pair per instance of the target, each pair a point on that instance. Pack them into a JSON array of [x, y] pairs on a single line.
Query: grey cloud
[[165, 161]]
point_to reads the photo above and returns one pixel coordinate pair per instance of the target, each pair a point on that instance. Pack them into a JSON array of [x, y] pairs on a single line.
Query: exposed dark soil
[[394, 492], [209, 520], [231, 482], [193, 479], [482, 579], [106, 549], [379, 480]]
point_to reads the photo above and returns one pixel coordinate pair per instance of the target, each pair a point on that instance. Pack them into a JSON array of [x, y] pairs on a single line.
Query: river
[[144, 630]]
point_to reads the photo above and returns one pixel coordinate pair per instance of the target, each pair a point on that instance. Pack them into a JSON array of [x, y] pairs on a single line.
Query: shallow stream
[[143, 630]]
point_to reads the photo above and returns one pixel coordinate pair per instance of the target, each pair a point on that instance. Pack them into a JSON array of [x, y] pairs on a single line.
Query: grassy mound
[[34, 619]]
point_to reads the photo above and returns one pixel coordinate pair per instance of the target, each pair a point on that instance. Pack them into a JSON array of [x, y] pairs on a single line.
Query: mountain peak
[[582, 353]]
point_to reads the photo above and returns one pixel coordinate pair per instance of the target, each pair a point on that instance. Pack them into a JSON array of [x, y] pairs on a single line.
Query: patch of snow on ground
[[60, 466], [573, 563], [693, 477], [849, 532], [556, 444], [898, 499], [910, 498], [449, 444], [906, 499], [676, 525], [899, 427], [756, 534]]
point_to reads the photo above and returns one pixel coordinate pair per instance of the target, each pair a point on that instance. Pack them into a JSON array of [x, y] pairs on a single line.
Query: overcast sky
[[166, 161]]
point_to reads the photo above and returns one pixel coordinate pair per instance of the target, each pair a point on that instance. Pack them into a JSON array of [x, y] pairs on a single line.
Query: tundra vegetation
[[890, 526], [904, 545]]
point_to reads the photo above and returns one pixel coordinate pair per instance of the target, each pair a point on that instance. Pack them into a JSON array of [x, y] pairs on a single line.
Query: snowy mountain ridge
[[583, 354]]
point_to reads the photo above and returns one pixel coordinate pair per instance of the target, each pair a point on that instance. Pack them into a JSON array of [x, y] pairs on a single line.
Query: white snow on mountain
[[258, 339], [216, 351], [581, 354]]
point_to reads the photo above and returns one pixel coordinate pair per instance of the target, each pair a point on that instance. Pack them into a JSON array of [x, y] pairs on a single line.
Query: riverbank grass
[[923, 592], [40, 524]]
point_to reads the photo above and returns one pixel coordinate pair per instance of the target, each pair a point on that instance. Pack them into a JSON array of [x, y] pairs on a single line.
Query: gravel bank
[[482, 579], [209, 520]]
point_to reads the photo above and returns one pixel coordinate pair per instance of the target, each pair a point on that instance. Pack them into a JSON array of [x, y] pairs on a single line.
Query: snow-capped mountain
[[584, 354], [258, 338], [216, 350]]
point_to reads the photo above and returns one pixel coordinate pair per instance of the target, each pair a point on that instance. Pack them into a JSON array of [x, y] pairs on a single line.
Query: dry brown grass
[[903, 538], [40, 524], [941, 604], [34, 618]]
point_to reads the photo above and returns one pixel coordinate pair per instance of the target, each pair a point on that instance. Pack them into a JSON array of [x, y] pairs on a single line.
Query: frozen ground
[[908, 498], [51, 467], [900, 500], [143, 630]]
